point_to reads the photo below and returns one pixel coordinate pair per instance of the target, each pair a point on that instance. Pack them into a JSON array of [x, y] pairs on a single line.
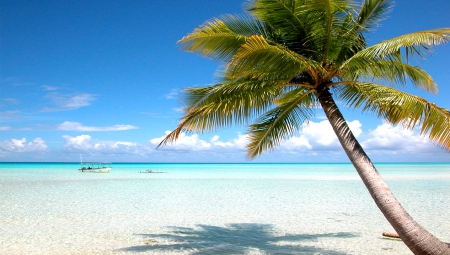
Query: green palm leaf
[[225, 104], [214, 40], [243, 94], [395, 72], [283, 15], [331, 20], [414, 44], [280, 122], [398, 107], [259, 60], [372, 12], [348, 40]]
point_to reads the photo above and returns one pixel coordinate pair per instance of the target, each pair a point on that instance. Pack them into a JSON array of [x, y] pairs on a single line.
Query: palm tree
[[288, 57]]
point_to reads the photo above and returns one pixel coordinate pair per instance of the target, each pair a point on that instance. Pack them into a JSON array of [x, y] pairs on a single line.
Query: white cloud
[[193, 142], [69, 102], [241, 141], [395, 138], [81, 142], [321, 133], [16, 82], [318, 136], [21, 145], [184, 142], [297, 142], [85, 143], [315, 143], [178, 109], [47, 87], [11, 100], [6, 115], [172, 94], [313, 137], [123, 144], [215, 141], [317, 139], [76, 126]]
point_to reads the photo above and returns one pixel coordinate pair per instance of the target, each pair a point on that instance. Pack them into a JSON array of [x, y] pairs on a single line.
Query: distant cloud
[[6, 115], [69, 102], [185, 142], [11, 100], [395, 138], [15, 145], [172, 94], [314, 136], [76, 126], [193, 142], [158, 115], [317, 139], [318, 136], [179, 109], [151, 114], [85, 143], [3, 128], [123, 144], [51, 88], [321, 117], [315, 143], [14, 81], [81, 142]]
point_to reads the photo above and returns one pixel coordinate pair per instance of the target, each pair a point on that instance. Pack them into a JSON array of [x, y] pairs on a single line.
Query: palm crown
[[279, 59]]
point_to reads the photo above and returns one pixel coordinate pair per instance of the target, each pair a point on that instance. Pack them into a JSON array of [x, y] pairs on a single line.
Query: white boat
[[94, 167]]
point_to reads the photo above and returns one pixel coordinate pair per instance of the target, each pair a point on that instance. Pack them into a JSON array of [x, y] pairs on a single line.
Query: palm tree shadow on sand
[[233, 239]]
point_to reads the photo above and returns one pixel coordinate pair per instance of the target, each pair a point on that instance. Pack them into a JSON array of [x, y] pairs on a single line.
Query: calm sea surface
[[51, 208]]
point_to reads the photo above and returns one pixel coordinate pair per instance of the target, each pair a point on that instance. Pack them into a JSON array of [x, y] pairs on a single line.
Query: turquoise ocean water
[[51, 208]]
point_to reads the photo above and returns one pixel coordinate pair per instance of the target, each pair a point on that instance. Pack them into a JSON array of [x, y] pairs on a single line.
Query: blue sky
[[101, 79]]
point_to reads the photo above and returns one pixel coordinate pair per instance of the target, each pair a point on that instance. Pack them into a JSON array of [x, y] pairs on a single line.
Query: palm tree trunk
[[418, 240]]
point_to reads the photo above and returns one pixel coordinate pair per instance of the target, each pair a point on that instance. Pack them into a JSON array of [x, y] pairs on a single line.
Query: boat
[[150, 171], [94, 167]]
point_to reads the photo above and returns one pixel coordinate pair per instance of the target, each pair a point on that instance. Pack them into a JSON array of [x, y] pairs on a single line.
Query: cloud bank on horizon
[[316, 142]]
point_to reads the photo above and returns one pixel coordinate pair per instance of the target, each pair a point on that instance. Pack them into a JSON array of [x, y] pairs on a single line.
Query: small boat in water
[[94, 167]]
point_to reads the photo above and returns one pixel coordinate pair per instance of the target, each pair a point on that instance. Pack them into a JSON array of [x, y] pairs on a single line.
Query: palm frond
[[398, 107], [215, 40], [171, 137], [245, 93], [247, 26], [280, 122], [391, 71], [259, 60], [372, 12], [333, 9], [415, 44], [348, 39], [281, 14], [223, 105]]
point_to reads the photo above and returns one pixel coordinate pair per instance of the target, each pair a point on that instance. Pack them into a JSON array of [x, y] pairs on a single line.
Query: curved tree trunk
[[418, 240]]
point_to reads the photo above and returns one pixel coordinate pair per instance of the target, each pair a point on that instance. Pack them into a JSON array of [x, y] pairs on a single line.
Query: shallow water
[[212, 208]]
